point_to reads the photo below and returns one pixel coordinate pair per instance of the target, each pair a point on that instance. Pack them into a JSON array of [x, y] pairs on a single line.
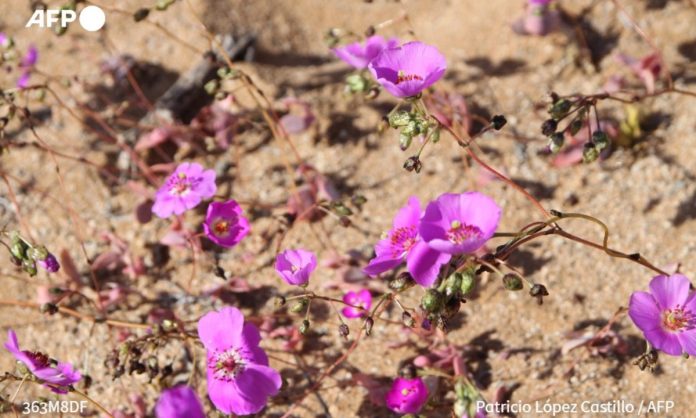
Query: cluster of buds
[[576, 112], [28, 256], [341, 210], [468, 398], [442, 303], [360, 83], [413, 124], [215, 86], [131, 357]]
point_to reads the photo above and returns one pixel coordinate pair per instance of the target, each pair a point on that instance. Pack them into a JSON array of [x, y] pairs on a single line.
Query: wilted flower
[[184, 190], [239, 378], [295, 266], [179, 402], [403, 243], [666, 315], [362, 299], [407, 70], [224, 223], [459, 223], [407, 396], [56, 375], [359, 56], [540, 19]]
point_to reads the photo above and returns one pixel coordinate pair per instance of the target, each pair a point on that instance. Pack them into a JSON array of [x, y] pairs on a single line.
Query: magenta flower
[[239, 379], [184, 190], [403, 243], [407, 396], [179, 402], [407, 70], [295, 266], [27, 65], [667, 315], [359, 56], [362, 299], [56, 376], [50, 263], [224, 223], [459, 223]]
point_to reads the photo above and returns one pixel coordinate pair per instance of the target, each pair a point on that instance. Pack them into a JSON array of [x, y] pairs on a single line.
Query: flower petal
[[643, 310], [220, 330], [424, 263], [670, 291]]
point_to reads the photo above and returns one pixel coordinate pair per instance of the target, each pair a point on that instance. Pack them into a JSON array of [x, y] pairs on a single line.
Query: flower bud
[[48, 308], [539, 291], [369, 323], [343, 330], [590, 153], [399, 119], [432, 301], [435, 135], [410, 129], [556, 141], [549, 127], [356, 83], [18, 249], [498, 122], [38, 253], [404, 141], [141, 14], [560, 108], [304, 328], [467, 282], [163, 4], [600, 139], [575, 126], [453, 284], [29, 266], [212, 86], [512, 282], [413, 164], [402, 282], [299, 306]]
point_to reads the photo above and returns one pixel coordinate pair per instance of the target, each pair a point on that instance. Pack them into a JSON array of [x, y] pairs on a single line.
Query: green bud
[[575, 126], [29, 266], [590, 153], [38, 253], [559, 109], [435, 135], [356, 83], [19, 250], [340, 209], [467, 282], [299, 306], [512, 282], [556, 142], [212, 86], [399, 119], [304, 328], [401, 282], [432, 301], [164, 4], [600, 139], [453, 284], [404, 141], [358, 200], [410, 129]]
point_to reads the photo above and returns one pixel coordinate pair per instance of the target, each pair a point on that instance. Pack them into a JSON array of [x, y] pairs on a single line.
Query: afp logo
[[92, 18]]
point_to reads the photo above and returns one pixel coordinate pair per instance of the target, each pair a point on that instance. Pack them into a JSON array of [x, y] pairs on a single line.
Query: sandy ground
[[646, 195]]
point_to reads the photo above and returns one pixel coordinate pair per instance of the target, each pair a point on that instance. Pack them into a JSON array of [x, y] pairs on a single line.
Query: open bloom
[[459, 223], [224, 223], [295, 266], [359, 56], [407, 70], [362, 299], [56, 375], [666, 315], [404, 243], [407, 396], [179, 402], [239, 379], [184, 190]]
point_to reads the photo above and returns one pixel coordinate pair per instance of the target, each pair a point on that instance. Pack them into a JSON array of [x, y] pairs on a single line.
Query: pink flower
[[540, 19], [407, 396], [359, 56], [224, 223], [459, 223], [179, 402], [27, 65], [295, 266], [50, 263], [407, 70], [404, 243], [362, 298], [667, 315], [239, 379], [56, 375], [184, 190]]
